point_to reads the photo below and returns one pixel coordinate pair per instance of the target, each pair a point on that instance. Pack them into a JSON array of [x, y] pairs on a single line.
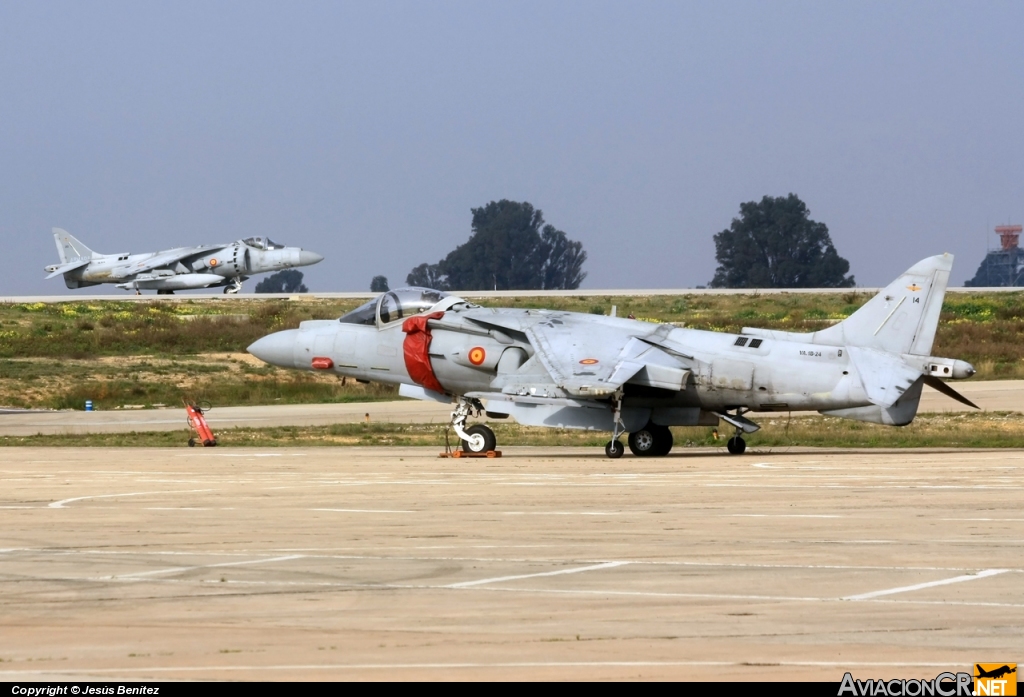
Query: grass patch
[[57, 355], [978, 430]]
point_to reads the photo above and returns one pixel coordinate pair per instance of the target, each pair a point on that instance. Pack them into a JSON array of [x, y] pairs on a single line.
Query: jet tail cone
[[276, 349]]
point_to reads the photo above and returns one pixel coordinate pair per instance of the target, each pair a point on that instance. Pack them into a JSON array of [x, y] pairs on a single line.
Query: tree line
[[773, 243]]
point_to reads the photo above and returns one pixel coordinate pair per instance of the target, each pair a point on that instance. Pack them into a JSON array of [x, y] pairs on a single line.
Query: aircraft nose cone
[[307, 257], [276, 349]]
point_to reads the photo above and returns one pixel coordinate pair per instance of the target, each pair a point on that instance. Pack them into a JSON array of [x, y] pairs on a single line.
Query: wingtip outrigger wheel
[[736, 445]]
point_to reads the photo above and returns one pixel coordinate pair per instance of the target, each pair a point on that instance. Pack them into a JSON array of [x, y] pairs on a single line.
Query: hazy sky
[[366, 131]]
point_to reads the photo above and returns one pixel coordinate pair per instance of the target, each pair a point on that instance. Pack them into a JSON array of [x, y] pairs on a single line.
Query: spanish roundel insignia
[[213, 262], [914, 287], [589, 361], [477, 355]]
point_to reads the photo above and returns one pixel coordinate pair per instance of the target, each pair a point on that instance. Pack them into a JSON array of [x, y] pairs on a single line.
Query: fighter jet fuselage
[[573, 370], [182, 268]]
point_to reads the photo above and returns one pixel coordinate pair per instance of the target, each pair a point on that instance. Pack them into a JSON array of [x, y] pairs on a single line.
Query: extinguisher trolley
[[199, 430]]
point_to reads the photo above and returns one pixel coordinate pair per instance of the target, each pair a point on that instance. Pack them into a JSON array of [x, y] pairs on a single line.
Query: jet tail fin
[[903, 317], [69, 248]]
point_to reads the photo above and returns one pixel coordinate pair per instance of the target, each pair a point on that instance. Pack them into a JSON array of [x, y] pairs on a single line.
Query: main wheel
[[644, 443], [736, 445], [663, 441], [191, 442], [485, 442], [614, 449]]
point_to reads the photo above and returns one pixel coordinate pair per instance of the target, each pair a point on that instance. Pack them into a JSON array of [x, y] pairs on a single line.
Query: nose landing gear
[[614, 448], [478, 440]]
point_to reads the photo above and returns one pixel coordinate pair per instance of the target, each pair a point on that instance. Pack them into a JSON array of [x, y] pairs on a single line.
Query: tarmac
[[990, 395], [391, 564]]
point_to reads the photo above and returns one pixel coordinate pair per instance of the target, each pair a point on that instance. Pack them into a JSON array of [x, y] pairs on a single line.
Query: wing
[[590, 358], [64, 268], [163, 259]]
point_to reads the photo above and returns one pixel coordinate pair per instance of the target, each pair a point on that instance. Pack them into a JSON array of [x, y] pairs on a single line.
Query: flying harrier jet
[[572, 370], [183, 268]]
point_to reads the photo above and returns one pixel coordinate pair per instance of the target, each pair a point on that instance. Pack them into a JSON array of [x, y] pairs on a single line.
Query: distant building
[[1004, 266]]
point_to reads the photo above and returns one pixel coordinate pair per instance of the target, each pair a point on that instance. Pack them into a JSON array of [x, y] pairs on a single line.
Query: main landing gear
[[651, 441]]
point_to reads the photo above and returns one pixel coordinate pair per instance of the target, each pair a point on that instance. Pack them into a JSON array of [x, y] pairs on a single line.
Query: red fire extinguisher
[[198, 426]]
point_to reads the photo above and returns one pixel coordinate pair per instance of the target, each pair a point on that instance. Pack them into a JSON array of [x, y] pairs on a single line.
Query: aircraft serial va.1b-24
[[572, 370], [183, 268]]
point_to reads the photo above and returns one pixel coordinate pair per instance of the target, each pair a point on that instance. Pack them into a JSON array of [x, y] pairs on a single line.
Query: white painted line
[[550, 591], [179, 508], [143, 574], [62, 502], [499, 579], [758, 662], [780, 515], [987, 520], [358, 553], [359, 510], [930, 584], [564, 512]]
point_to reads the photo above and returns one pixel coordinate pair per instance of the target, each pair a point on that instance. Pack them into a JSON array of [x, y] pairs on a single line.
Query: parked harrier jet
[[183, 268], [571, 370]]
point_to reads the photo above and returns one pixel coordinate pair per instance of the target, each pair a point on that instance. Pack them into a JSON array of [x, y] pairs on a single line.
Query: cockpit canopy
[[262, 243], [394, 306]]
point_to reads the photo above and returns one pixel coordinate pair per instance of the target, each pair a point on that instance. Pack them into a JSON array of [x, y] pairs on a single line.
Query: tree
[[510, 248], [379, 284], [775, 244], [287, 281], [428, 276]]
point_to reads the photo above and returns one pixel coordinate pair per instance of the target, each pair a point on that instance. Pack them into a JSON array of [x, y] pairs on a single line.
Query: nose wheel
[[614, 449], [481, 439]]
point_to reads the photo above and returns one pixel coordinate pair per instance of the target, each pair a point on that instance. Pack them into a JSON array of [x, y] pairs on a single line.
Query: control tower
[[1003, 267]]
